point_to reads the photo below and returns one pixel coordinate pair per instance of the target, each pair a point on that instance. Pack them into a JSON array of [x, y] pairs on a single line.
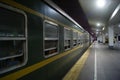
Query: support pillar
[[103, 37], [100, 38], [111, 36]]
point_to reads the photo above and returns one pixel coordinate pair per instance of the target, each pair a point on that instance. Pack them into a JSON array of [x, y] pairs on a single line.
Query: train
[[38, 40]]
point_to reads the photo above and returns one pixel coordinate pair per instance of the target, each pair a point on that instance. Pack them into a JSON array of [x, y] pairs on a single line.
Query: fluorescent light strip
[[115, 12]]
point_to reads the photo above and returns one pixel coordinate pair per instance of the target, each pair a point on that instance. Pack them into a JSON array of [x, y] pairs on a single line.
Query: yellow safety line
[[75, 70], [25, 71]]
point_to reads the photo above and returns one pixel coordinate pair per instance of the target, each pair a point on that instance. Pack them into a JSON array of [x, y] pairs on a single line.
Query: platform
[[99, 62]]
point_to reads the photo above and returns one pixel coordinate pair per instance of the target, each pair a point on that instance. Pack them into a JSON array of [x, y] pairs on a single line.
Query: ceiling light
[[103, 28], [97, 30], [119, 25], [100, 3], [98, 24]]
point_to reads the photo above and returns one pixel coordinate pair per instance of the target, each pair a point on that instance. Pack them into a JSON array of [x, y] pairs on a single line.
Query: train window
[[67, 38], [82, 39], [51, 38], [79, 39], [13, 38], [75, 37], [11, 24]]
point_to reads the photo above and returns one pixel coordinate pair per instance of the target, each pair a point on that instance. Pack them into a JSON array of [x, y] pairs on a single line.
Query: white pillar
[[100, 38], [103, 38], [111, 36]]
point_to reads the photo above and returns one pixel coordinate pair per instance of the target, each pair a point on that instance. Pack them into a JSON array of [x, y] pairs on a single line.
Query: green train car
[[38, 40]]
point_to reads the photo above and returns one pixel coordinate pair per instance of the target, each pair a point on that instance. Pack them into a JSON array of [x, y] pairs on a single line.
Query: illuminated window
[[13, 38], [51, 38]]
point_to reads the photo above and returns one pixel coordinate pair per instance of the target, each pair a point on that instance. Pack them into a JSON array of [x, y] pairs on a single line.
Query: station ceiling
[[93, 15]]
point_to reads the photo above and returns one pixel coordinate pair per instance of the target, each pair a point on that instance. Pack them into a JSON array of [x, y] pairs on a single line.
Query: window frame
[[79, 38], [54, 39], [24, 38], [67, 38], [75, 39]]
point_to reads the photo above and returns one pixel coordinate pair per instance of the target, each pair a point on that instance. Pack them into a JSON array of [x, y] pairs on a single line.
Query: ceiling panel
[[96, 14]]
